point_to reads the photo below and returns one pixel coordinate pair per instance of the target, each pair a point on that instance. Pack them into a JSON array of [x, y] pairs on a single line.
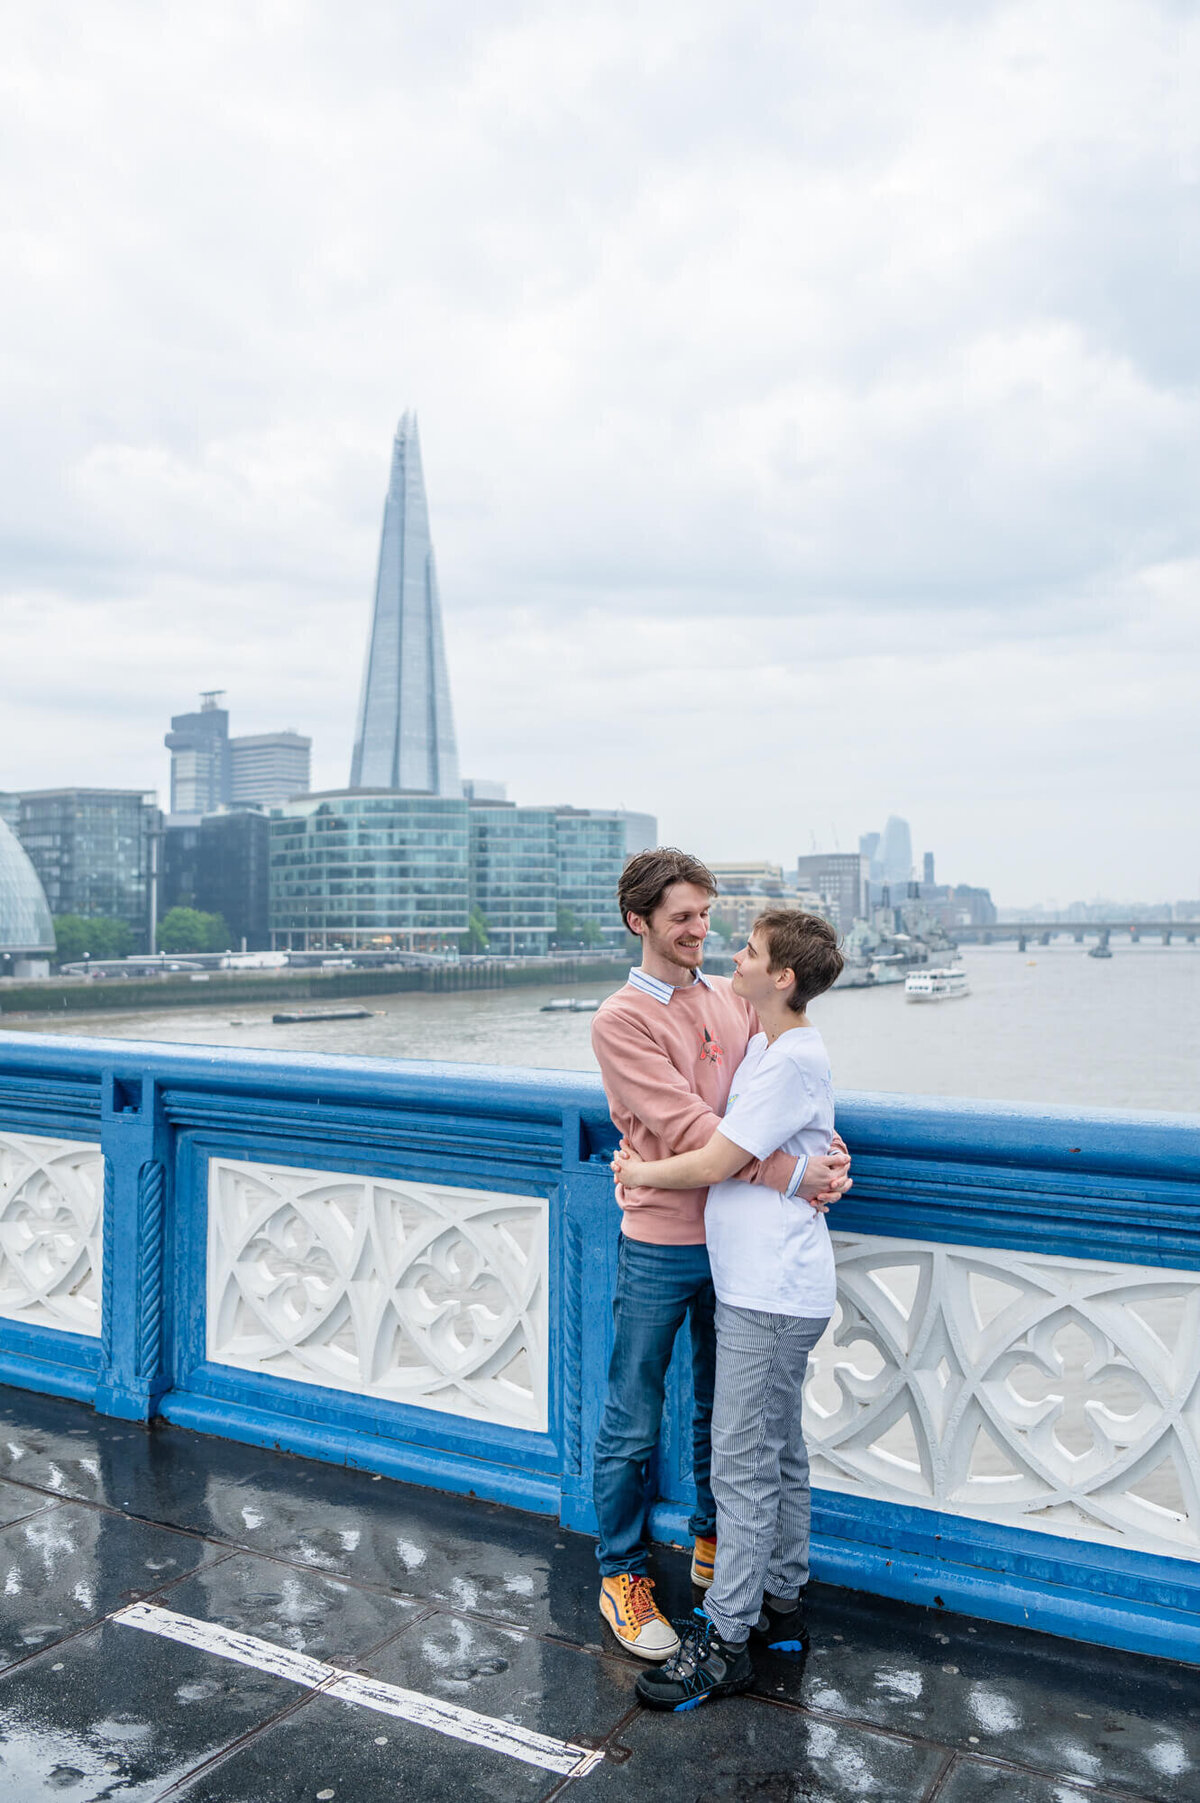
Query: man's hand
[[825, 1179]]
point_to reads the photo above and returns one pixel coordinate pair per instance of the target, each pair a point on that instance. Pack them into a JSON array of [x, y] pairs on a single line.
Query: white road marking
[[560, 1756]]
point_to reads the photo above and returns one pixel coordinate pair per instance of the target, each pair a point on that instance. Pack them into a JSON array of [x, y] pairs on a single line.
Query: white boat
[[935, 985]]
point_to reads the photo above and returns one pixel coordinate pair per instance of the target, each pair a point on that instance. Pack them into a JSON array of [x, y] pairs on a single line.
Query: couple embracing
[[721, 1091]]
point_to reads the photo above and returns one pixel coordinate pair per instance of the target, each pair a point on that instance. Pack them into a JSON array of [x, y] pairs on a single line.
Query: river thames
[[1047, 1025]]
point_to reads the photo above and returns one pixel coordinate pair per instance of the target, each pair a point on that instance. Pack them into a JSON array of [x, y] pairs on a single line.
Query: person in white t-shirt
[[772, 1269]]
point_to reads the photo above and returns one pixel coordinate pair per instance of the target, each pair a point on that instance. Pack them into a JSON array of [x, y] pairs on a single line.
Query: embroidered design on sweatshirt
[[710, 1051]]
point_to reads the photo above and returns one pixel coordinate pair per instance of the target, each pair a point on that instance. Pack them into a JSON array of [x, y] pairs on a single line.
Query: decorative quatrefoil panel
[[51, 1200], [414, 1292], [1053, 1393]]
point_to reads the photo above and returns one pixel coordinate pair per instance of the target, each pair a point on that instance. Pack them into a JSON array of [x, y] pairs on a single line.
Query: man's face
[[676, 929]]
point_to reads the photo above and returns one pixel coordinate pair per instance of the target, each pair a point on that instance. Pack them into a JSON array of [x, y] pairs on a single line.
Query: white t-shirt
[[766, 1252]]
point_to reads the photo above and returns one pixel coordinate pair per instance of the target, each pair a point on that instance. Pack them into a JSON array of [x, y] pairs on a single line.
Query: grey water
[[1046, 1025]]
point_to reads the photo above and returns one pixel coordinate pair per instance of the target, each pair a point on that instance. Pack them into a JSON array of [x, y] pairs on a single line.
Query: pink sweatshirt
[[666, 1069]]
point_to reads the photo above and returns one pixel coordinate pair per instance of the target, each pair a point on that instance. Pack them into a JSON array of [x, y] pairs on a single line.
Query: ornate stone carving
[[1035, 1391], [50, 1228], [413, 1292]]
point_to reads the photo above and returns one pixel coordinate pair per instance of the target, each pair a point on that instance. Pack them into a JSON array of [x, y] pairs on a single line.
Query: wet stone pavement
[[408, 1644]]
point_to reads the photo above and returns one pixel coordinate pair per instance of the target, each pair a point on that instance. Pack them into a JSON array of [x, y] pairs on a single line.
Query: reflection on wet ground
[[487, 1611]]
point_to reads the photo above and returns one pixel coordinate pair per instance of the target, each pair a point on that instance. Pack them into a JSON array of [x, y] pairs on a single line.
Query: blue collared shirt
[[662, 992]]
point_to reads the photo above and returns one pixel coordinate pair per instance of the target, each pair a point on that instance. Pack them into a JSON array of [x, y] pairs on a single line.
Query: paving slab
[[972, 1781], [16, 1503], [117, 1713], [447, 1550], [67, 1566], [349, 1752], [1077, 1711], [162, 1473], [745, 1751]]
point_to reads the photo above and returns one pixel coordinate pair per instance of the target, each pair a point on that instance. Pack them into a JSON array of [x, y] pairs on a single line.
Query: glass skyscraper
[[405, 736], [199, 747], [590, 856], [91, 850], [514, 878], [369, 868]]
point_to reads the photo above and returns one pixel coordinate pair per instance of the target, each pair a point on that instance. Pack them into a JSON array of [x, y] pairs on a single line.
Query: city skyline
[[835, 459]]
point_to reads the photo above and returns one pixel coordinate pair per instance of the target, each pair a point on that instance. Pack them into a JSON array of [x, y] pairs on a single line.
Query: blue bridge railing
[[407, 1267]]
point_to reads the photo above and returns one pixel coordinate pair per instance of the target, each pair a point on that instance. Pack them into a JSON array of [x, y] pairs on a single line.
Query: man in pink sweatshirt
[[668, 1044]]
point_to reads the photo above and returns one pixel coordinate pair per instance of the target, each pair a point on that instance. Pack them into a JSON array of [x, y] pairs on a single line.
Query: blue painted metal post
[[591, 1220], [133, 1137]]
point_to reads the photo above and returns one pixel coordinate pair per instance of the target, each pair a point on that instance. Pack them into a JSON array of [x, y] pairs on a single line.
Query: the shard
[[405, 737]]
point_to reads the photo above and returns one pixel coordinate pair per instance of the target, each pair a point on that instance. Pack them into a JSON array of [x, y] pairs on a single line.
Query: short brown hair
[[807, 946], [649, 874]]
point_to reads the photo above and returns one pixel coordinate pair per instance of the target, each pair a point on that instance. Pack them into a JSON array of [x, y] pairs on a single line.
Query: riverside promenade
[[184, 1617]]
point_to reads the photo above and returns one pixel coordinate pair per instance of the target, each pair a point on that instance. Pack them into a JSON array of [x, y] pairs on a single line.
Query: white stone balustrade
[[1060, 1394], [411, 1292], [51, 1193]]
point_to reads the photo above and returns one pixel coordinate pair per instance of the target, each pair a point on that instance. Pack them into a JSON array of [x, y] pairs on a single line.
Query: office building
[[200, 762], [927, 875], [514, 875], [92, 850], [973, 906], [221, 865], [590, 855], [751, 877], [641, 831], [405, 736], [26, 929], [179, 864], [840, 879], [896, 855], [10, 810], [480, 788], [269, 767], [209, 770], [369, 868]]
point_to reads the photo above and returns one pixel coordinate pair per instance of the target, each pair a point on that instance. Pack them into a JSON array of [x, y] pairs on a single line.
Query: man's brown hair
[[807, 946], [649, 874]]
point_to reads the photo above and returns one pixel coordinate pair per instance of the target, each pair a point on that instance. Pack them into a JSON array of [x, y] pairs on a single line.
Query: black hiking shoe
[[781, 1626], [705, 1666]]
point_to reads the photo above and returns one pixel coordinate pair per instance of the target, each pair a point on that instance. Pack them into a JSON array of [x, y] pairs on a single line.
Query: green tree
[[190, 930], [76, 937], [590, 934], [476, 938], [71, 938], [566, 927], [110, 938]]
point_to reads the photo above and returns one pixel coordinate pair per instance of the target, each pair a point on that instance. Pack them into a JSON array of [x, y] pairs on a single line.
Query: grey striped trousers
[[759, 1463]]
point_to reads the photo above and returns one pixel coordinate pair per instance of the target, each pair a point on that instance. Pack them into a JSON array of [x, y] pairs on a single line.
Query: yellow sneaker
[[627, 1605], [704, 1554]]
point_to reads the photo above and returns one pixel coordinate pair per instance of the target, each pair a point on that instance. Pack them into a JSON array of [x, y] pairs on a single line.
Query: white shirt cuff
[[797, 1178]]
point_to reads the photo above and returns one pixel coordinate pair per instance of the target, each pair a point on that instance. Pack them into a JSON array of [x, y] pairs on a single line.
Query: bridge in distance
[[1042, 931]]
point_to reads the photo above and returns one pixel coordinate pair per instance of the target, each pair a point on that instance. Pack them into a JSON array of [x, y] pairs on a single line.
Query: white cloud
[[809, 402]]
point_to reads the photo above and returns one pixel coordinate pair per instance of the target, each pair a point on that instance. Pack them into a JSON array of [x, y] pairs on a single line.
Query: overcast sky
[[808, 395]]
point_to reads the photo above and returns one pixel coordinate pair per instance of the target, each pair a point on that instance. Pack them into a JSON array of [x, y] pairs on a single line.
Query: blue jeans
[[657, 1286]]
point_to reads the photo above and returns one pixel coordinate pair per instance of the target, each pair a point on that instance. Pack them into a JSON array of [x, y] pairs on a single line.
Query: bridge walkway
[[184, 1617]]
